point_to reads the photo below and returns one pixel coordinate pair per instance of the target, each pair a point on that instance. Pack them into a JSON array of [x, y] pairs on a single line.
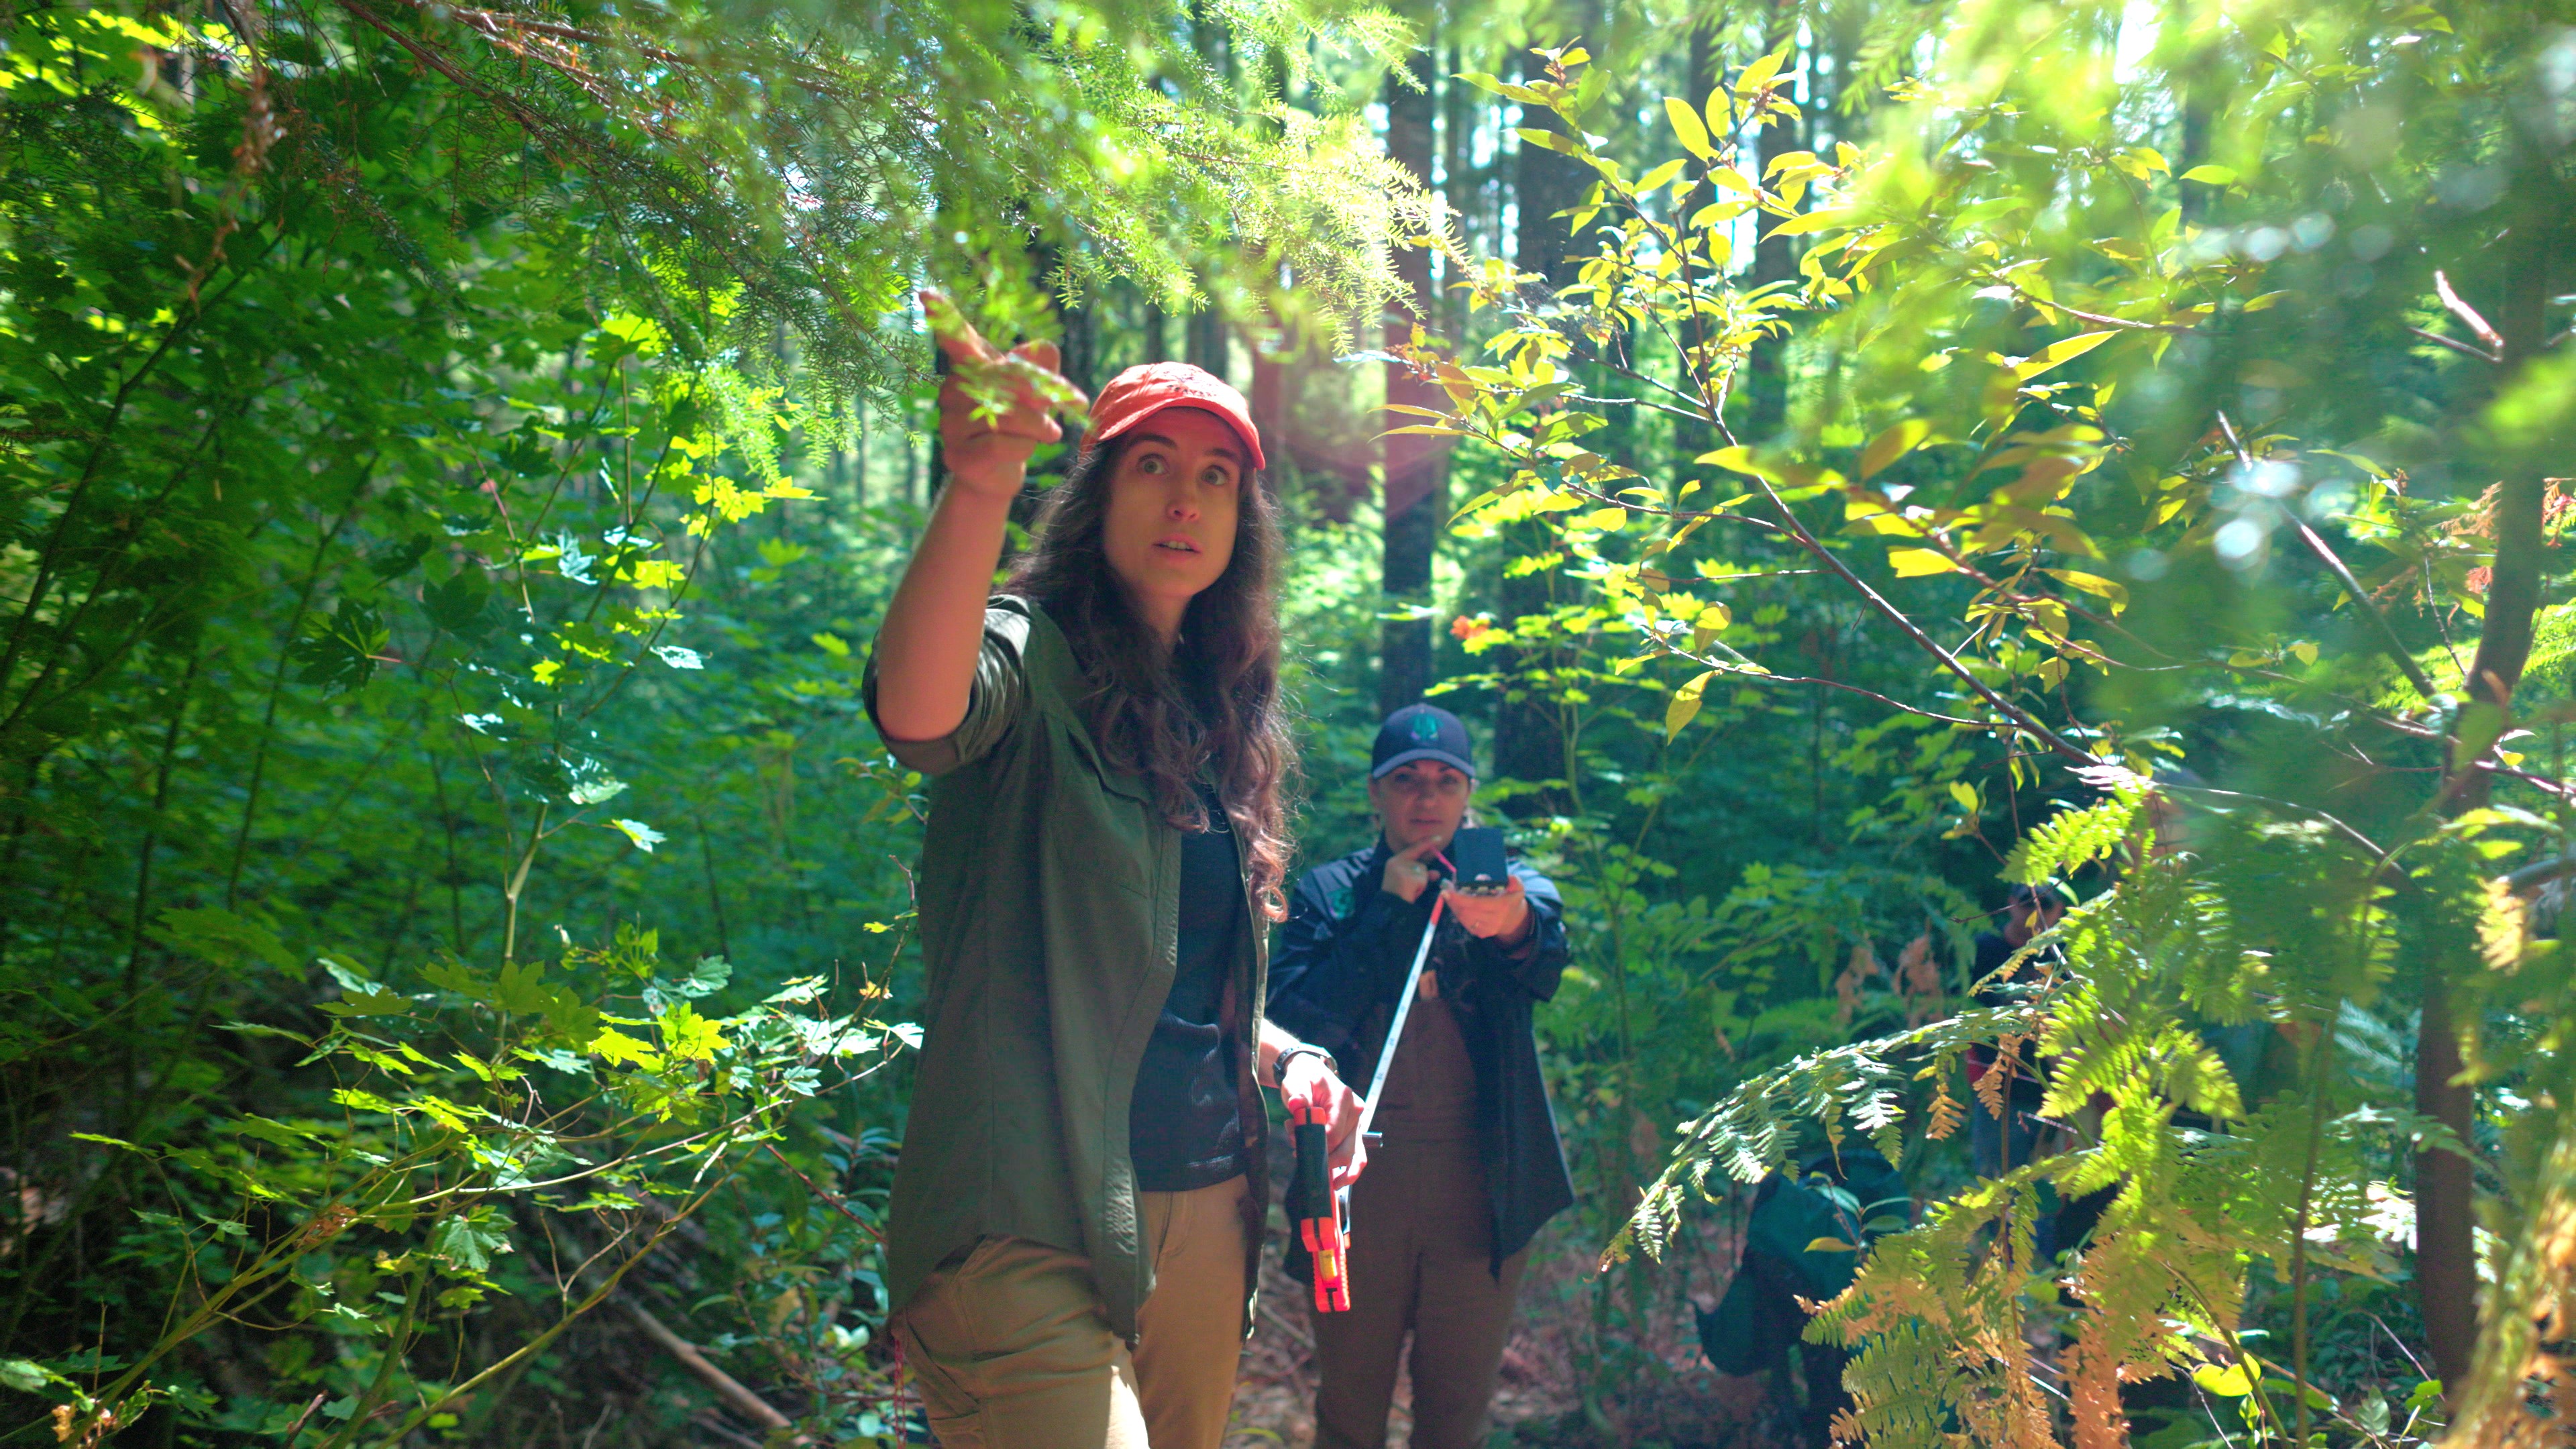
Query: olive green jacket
[[1049, 896]]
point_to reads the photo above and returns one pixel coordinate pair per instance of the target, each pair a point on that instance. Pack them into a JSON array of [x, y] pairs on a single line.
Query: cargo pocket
[[956, 1418]]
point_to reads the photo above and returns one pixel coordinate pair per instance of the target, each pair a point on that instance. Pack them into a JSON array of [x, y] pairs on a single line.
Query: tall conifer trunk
[[1775, 258], [1416, 467], [1529, 733], [2446, 1276]]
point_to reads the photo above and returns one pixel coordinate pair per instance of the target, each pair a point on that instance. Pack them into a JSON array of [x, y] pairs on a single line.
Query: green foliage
[[2104, 321], [418, 438]]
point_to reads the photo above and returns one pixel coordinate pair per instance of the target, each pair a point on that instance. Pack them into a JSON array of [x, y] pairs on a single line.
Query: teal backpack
[[1790, 1253]]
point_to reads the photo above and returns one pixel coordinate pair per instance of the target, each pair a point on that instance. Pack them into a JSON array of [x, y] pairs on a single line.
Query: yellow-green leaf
[[1738, 459], [1688, 127], [1712, 622], [2065, 349], [1893, 444], [1759, 73], [2212, 176], [2231, 1382], [2094, 584], [689, 1037], [1608, 520], [613, 1046], [1660, 177], [1965, 794], [1685, 704], [1812, 221], [1917, 563]]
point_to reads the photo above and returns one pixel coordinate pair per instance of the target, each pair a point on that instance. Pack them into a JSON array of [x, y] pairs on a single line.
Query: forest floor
[[1677, 1402]]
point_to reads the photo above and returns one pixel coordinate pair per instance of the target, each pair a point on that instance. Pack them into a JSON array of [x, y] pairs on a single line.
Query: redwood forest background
[[1847, 456]]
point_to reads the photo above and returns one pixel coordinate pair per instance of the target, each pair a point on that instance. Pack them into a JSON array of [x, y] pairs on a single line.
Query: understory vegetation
[[1846, 457]]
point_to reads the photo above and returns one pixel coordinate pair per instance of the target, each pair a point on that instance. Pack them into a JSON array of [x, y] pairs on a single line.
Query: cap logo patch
[[1425, 728]]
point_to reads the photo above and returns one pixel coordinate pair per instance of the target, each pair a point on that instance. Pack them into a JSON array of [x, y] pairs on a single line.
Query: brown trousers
[[1011, 1348], [1420, 1262]]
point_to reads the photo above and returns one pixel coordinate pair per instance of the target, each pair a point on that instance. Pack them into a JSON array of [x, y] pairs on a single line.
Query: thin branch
[[2097, 318], [830, 1200], [2014, 716], [2466, 313], [2361, 599], [2453, 343], [1748, 669], [750, 1405]]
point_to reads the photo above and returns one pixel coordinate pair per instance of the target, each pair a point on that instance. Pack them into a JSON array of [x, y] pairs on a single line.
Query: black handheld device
[[1477, 853]]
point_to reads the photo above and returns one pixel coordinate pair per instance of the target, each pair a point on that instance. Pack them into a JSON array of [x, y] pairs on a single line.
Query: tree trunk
[[2446, 1279], [1529, 732], [1775, 258], [1416, 467]]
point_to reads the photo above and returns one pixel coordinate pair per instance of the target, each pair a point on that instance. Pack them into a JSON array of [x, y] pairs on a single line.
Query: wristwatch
[[1279, 1063]]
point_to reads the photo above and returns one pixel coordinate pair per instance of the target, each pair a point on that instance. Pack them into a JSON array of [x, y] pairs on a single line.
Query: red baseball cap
[[1140, 392]]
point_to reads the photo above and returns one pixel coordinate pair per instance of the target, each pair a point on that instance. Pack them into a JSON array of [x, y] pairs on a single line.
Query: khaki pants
[[1011, 1348], [1421, 1244]]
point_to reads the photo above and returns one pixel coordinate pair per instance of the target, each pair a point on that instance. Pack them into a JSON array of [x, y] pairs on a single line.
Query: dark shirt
[[1185, 1122], [1342, 958]]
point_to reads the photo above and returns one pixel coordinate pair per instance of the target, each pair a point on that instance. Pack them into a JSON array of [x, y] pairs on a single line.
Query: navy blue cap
[[1421, 732]]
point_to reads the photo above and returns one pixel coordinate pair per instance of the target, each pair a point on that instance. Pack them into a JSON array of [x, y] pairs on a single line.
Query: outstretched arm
[[933, 634]]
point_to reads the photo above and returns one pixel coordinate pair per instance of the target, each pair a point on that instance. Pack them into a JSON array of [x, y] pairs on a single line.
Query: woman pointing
[[1077, 1209]]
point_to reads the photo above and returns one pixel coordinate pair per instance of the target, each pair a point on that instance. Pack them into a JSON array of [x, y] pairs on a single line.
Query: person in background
[[1470, 1166], [1803, 1241], [1073, 1228]]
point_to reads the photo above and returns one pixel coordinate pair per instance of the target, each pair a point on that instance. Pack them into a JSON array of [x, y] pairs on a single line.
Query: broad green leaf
[[1687, 127], [465, 1246], [25, 1375], [1965, 794], [2481, 724], [368, 1003], [2212, 176], [214, 934], [518, 990], [644, 836], [363, 1101], [1891, 445], [1830, 1245], [1685, 704]]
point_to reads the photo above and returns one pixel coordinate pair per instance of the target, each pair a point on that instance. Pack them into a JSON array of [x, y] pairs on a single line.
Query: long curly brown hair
[[1212, 702]]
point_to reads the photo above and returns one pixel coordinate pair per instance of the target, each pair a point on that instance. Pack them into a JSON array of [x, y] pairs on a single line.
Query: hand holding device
[[1476, 854], [1317, 1210]]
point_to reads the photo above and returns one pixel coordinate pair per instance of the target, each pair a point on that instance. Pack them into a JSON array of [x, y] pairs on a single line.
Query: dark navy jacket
[[1334, 976]]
